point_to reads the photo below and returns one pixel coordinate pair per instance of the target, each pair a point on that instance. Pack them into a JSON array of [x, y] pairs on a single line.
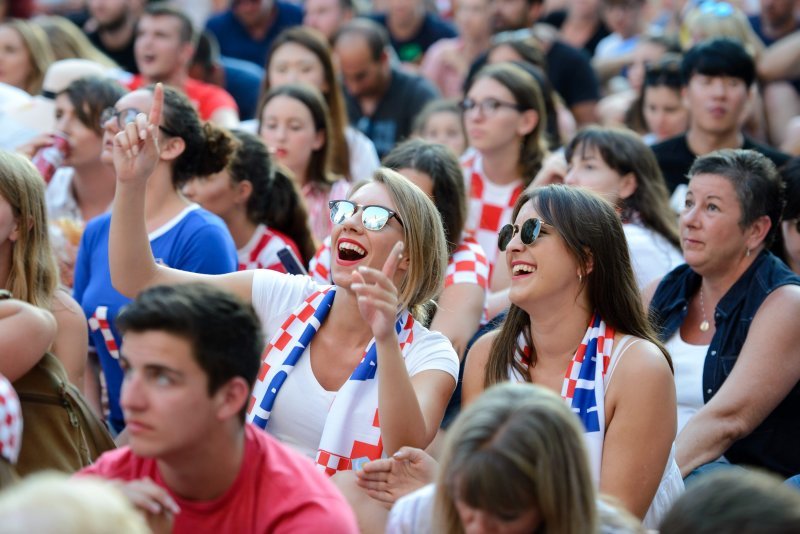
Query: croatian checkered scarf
[[583, 388], [351, 436]]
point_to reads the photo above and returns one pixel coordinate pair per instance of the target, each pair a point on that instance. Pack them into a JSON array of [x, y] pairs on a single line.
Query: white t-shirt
[[688, 361], [652, 256], [298, 415]]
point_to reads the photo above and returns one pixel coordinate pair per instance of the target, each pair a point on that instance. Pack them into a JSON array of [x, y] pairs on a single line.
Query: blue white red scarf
[[352, 434], [583, 388]]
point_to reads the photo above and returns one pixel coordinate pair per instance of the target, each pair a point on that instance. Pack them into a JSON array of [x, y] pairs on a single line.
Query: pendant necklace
[[704, 326]]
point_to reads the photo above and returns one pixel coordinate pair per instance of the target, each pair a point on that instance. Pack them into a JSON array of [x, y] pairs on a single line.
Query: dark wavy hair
[[592, 232], [275, 200], [208, 148], [625, 152], [449, 193], [89, 96]]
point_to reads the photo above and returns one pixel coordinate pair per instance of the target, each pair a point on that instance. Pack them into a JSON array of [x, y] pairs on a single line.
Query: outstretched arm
[[133, 268]]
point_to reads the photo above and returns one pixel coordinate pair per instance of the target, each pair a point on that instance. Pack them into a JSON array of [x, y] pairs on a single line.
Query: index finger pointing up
[[158, 105], [392, 262]]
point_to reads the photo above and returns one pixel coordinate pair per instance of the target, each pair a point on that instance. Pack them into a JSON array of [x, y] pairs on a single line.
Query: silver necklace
[[705, 325]]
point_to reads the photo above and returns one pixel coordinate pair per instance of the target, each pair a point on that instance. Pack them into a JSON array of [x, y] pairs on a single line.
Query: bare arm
[[766, 370], [458, 314], [72, 338], [133, 268], [648, 292], [641, 429], [781, 61], [26, 333], [473, 382]]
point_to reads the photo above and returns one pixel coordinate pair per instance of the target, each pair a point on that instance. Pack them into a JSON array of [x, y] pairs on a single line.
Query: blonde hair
[[39, 51], [732, 24], [517, 447], [68, 41], [74, 506], [33, 277], [425, 243]]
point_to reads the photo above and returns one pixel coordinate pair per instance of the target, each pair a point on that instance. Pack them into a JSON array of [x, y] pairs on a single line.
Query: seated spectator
[[181, 234], [164, 50], [567, 253], [260, 204], [717, 77], [302, 55], [327, 16], [787, 245], [83, 186], [247, 28], [28, 265], [374, 85], [502, 116], [353, 356], [447, 62], [617, 165], [26, 55], [735, 501], [660, 104], [112, 29], [68, 41], [580, 24], [412, 28], [295, 125], [191, 356], [10, 431], [82, 506], [737, 391], [442, 121], [615, 52]]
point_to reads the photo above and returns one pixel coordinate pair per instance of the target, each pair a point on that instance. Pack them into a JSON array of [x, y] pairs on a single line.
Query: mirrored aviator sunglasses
[[373, 218], [528, 233]]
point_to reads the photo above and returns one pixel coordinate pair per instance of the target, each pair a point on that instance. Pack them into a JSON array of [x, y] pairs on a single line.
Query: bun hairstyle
[[208, 149]]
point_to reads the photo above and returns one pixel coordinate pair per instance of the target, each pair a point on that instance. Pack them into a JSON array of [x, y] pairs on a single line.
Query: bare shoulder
[[474, 382], [642, 363], [479, 352], [64, 306], [649, 291]]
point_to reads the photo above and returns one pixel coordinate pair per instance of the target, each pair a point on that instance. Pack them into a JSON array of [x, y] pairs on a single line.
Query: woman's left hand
[[377, 294]]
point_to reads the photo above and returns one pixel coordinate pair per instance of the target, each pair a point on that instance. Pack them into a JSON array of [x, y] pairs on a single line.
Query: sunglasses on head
[[372, 217], [528, 233]]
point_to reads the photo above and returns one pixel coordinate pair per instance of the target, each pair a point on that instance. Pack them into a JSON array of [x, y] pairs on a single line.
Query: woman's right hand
[[136, 147], [34, 145]]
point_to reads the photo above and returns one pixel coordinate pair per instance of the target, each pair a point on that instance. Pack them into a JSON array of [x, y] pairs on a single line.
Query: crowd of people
[[399, 266]]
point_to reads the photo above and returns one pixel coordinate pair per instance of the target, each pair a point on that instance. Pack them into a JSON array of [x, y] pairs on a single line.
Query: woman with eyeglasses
[[260, 203], [295, 124], [178, 233], [576, 325], [337, 355], [505, 122], [729, 319]]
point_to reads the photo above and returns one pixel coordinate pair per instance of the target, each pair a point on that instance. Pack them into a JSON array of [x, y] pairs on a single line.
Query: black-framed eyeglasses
[[527, 233], [372, 217], [488, 106], [125, 117]]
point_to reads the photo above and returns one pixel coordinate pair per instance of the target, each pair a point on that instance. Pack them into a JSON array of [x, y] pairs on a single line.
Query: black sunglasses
[[528, 233], [125, 117], [372, 217]]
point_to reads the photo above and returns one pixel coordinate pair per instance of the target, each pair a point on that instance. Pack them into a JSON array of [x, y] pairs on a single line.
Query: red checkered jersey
[[319, 268], [261, 252], [490, 204], [10, 422]]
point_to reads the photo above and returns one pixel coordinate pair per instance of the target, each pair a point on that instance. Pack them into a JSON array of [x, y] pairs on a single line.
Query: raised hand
[[377, 294], [136, 148]]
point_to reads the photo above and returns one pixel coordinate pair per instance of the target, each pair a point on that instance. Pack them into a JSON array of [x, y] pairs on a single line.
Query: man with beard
[[115, 29]]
